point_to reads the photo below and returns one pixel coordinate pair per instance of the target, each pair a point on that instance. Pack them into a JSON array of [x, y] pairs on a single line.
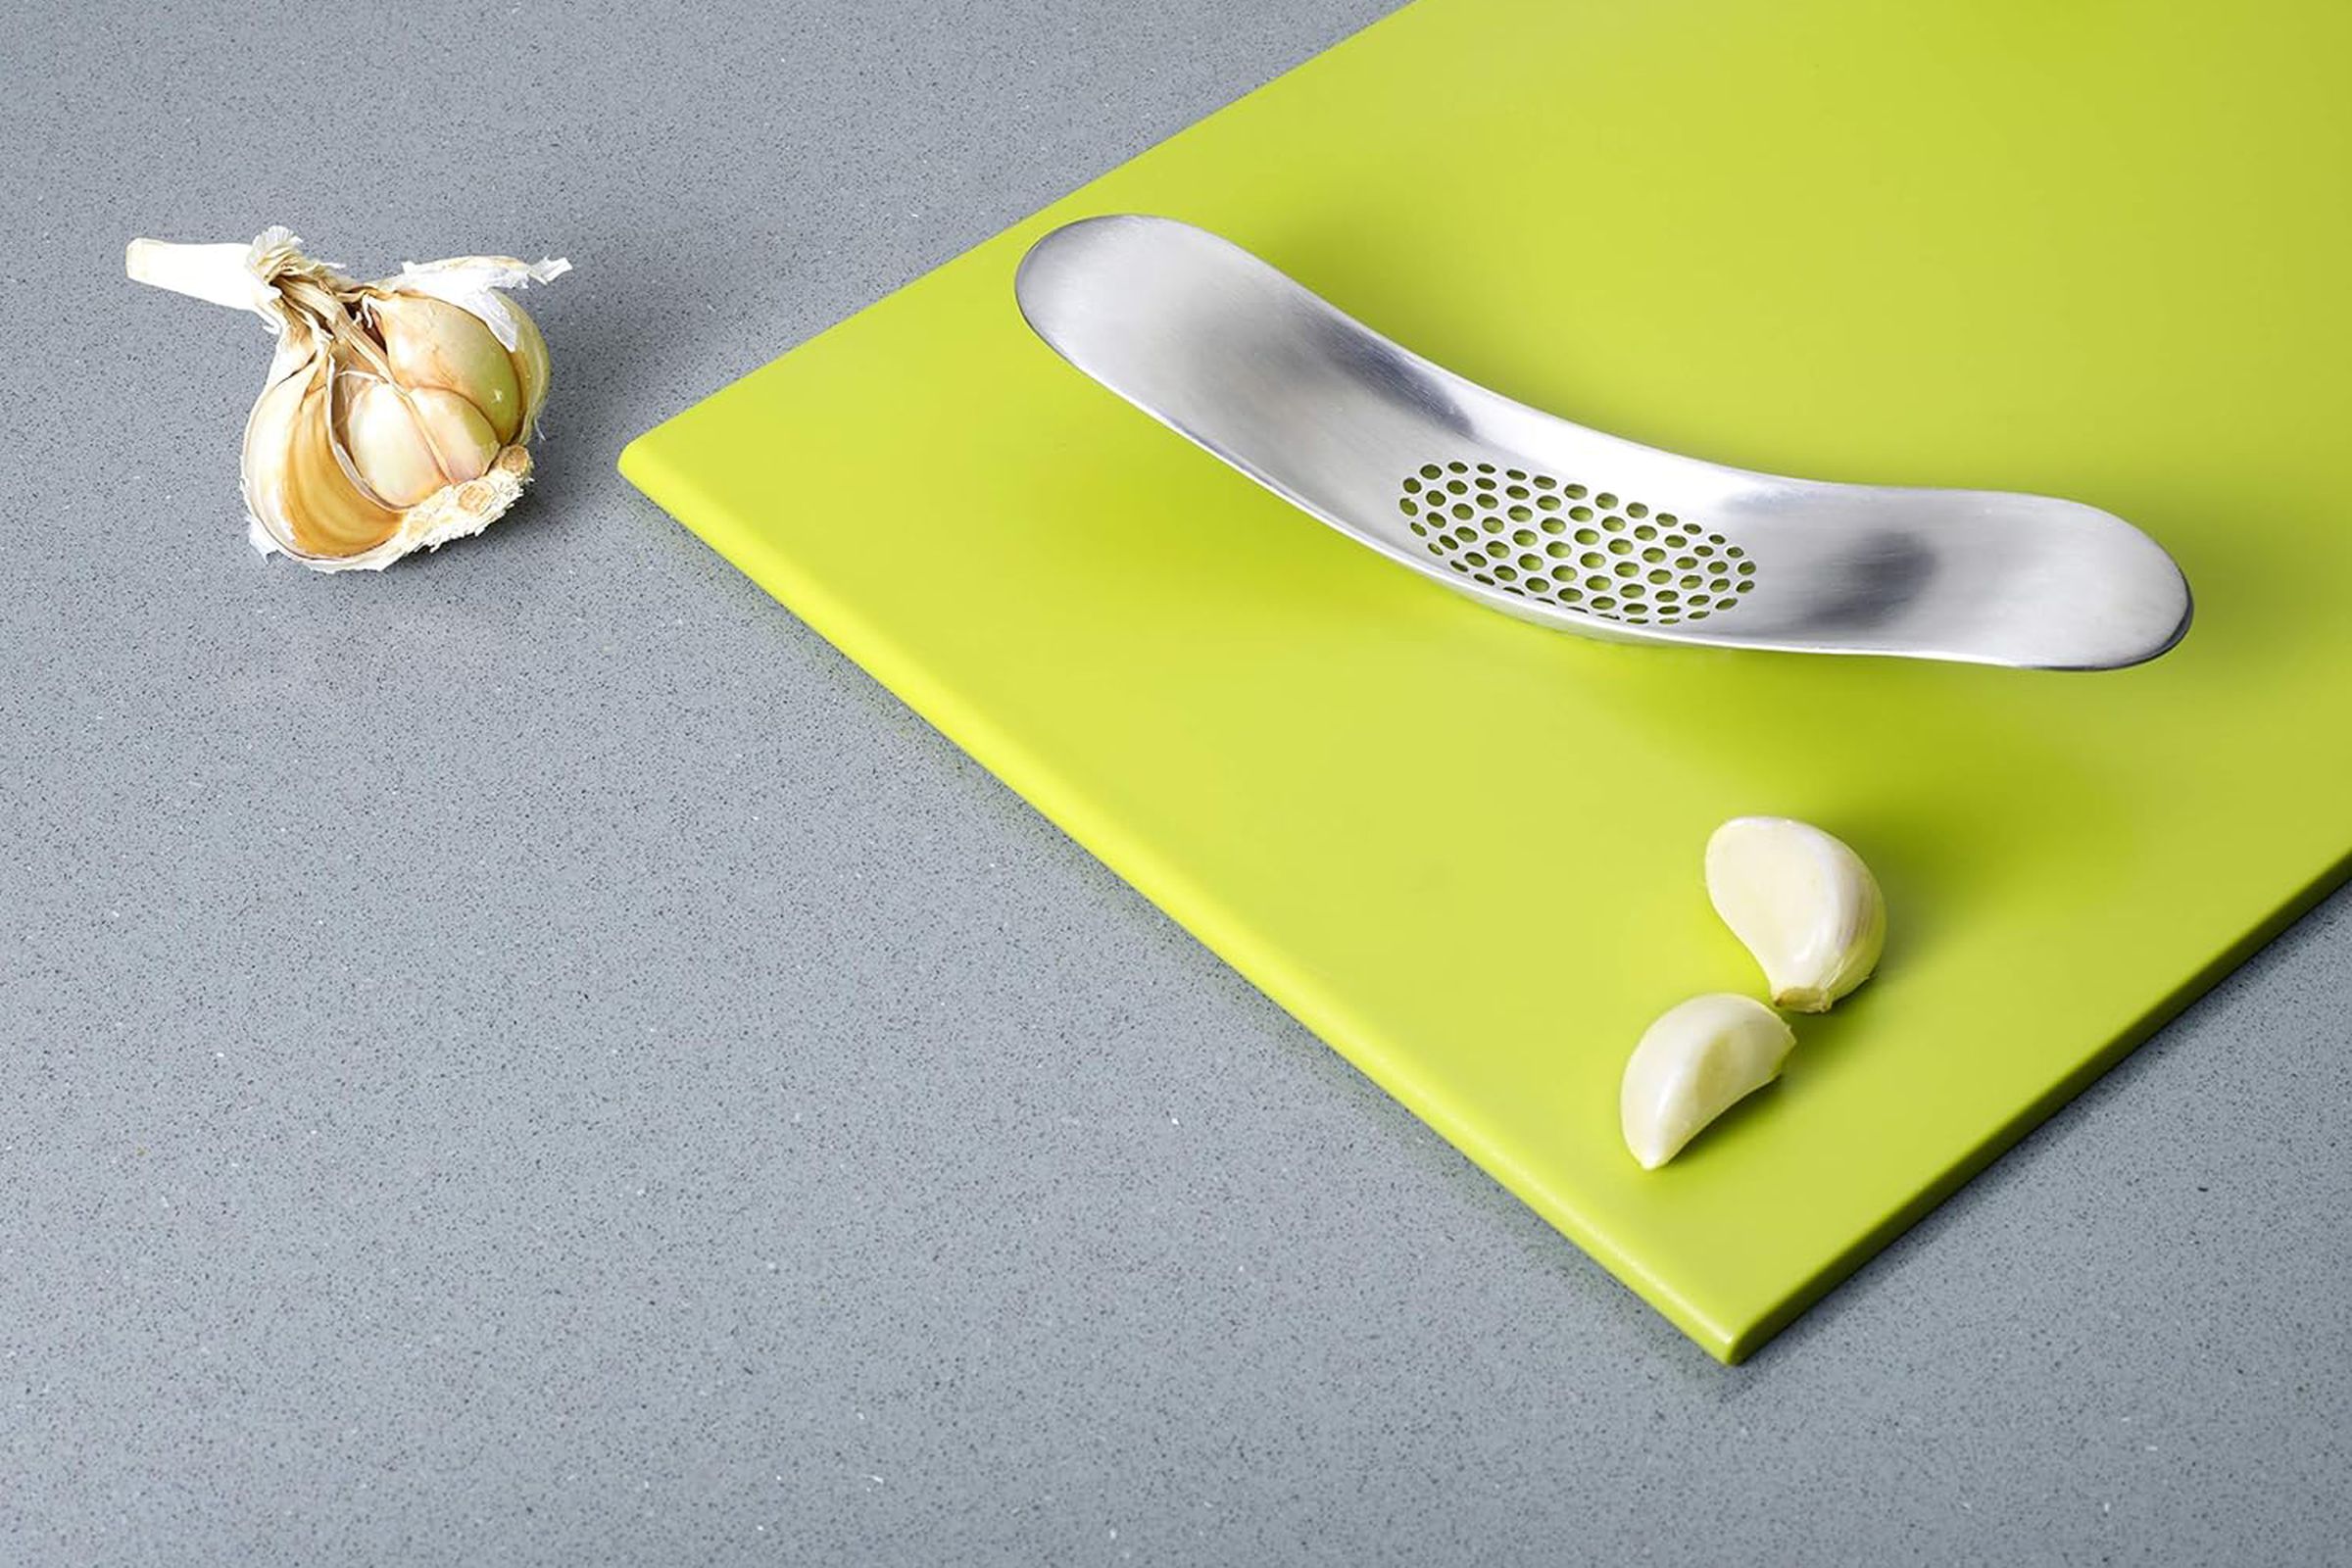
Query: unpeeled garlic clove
[[296, 490], [1694, 1063], [1802, 902], [433, 343]]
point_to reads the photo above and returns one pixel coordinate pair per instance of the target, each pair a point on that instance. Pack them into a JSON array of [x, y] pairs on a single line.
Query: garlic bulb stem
[[222, 274]]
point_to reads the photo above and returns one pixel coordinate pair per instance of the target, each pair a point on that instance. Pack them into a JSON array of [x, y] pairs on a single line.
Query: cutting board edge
[[1160, 882], [1729, 1337], [1805, 1294]]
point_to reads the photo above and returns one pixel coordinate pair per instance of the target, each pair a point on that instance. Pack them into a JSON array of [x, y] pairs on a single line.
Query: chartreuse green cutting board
[[2102, 251]]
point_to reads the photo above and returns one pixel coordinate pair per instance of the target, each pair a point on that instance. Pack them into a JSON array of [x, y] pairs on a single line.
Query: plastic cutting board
[[2094, 251]]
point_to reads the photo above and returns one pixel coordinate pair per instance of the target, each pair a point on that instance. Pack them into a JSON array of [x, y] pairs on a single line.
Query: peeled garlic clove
[[1693, 1064], [393, 415], [1804, 904]]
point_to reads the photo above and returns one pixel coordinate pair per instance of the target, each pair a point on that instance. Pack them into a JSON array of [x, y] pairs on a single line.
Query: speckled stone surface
[[533, 1059]]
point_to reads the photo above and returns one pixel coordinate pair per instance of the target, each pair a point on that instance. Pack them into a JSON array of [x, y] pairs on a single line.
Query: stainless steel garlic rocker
[[1565, 526]]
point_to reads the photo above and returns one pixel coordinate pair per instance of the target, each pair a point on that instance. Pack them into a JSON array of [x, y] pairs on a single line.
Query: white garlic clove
[[460, 433], [1694, 1063], [1802, 902], [433, 343], [391, 453]]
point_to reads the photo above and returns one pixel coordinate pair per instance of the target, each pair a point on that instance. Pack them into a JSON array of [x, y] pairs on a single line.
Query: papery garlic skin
[[1699, 1059], [1804, 904], [395, 414]]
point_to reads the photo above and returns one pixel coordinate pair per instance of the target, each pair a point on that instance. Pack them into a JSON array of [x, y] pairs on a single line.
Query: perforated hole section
[[1540, 536]]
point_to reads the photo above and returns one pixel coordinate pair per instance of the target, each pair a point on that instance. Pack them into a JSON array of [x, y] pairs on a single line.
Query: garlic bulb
[[1804, 904], [1694, 1063], [395, 414]]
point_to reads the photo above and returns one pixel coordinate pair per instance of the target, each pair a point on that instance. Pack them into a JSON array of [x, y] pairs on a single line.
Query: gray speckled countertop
[[532, 1058]]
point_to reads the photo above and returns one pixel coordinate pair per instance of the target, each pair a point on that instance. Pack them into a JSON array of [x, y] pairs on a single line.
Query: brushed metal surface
[[1337, 420]]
